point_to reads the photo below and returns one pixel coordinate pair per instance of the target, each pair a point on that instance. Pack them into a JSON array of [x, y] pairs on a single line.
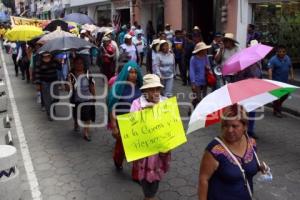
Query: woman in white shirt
[[128, 50], [140, 43]]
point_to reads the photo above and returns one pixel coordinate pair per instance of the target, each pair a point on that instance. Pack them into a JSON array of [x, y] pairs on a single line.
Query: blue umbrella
[[79, 18]]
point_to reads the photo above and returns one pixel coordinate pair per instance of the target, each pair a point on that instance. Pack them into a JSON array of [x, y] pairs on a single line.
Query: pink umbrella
[[245, 58]]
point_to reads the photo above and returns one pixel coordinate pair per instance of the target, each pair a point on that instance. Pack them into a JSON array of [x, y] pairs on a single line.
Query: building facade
[[181, 14], [277, 21], [210, 16]]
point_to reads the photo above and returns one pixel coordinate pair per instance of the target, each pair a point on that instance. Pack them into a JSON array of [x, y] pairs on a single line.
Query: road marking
[[31, 176]]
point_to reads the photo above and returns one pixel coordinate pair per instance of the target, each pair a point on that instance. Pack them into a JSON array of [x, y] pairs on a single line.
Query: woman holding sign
[[123, 92], [150, 170]]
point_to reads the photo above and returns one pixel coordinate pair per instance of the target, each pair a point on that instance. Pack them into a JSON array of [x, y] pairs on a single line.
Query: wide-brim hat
[[151, 81], [154, 42], [201, 46], [230, 36], [108, 32], [161, 42], [105, 39]]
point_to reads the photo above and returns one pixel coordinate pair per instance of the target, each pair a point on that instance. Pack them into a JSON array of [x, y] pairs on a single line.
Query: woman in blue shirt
[[221, 176], [199, 63]]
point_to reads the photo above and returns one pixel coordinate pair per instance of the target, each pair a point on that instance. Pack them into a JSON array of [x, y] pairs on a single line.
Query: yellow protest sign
[[152, 130], [16, 21]]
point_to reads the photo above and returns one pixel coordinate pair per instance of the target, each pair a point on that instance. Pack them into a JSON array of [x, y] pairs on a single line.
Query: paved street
[[67, 167]]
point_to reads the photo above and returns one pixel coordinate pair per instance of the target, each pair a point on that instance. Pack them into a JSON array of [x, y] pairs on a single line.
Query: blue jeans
[[168, 87]]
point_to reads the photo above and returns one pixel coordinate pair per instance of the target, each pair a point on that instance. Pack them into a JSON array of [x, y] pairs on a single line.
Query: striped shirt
[[47, 72]]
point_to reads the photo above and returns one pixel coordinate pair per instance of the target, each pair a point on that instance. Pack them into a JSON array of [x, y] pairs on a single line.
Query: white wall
[[244, 17]]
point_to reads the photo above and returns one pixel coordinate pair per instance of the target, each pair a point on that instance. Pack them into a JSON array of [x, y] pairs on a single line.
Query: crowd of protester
[[166, 55]]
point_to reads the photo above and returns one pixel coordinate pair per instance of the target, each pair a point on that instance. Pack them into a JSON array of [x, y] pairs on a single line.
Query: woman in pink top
[[150, 170]]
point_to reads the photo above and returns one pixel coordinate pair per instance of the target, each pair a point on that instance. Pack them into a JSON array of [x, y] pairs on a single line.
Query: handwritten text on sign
[[152, 130], [16, 21]]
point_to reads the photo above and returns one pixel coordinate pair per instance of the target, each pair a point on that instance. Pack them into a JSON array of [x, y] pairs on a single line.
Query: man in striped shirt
[[46, 74]]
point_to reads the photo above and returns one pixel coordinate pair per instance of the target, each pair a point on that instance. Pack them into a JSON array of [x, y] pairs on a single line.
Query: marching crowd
[[166, 55]]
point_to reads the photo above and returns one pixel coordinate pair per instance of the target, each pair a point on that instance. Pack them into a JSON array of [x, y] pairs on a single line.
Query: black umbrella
[[52, 26], [79, 18], [65, 44], [33, 41]]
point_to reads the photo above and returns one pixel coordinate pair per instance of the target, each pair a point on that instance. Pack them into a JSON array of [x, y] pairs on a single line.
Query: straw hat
[[108, 32], [154, 42], [105, 39], [151, 81], [161, 42], [200, 46], [230, 36]]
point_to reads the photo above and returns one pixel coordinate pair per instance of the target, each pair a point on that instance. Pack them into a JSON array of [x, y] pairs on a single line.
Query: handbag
[[211, 79]]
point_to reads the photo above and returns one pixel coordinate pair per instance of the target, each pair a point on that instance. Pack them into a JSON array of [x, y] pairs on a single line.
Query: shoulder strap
[[238, 164], [255, 154]]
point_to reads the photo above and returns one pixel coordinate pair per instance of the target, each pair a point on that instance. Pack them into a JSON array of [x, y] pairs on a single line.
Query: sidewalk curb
[[291, 111], [288, 110]]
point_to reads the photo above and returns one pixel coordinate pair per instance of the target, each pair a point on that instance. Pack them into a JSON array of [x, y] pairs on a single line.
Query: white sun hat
[[151, 81]]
